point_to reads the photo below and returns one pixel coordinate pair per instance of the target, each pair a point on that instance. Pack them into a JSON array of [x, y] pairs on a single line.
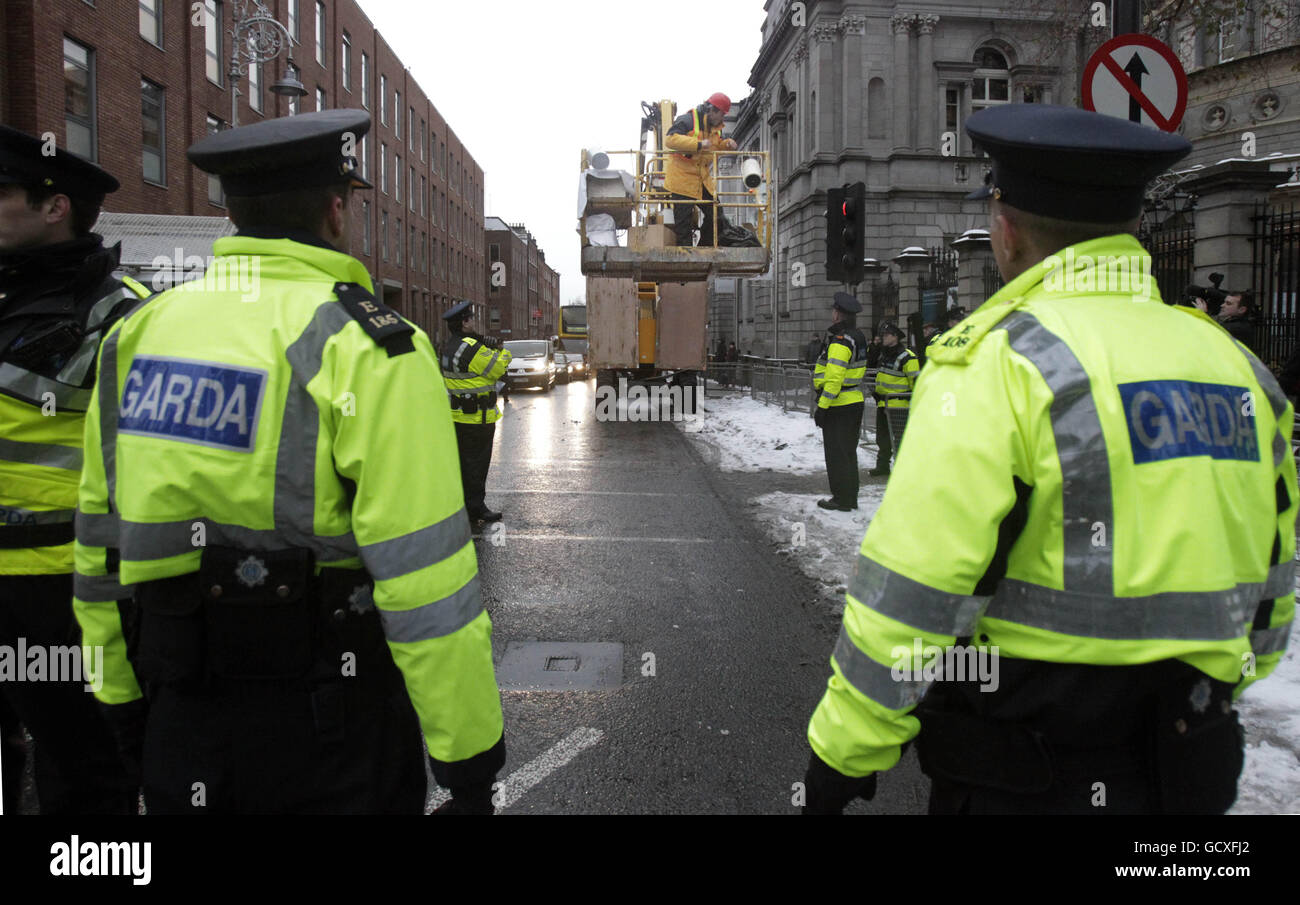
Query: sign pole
[[1125, 17]]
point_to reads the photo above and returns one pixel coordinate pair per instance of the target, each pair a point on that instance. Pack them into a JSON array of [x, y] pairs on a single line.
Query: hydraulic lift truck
[[648, 299]]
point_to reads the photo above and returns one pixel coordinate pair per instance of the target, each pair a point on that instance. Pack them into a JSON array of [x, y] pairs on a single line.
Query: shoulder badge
[[383, 324], [957, 345]]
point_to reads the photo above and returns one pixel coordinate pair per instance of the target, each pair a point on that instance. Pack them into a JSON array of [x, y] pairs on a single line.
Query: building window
[[400, 237], [383, 167], [397, 177], [422, 134], [397, 113], [293, 19], [152, 140], [320, 99], [424, 193], [215, 194], [410, 188], [365, 80], [365, 228], [383, 233], [151, 21], [433, 148], [410, 127], [293, 105], [320, 32], [212, 39], [424, 252], [79, 99], [413, 249], [345, 58], [991, 85], [383, 99], [365, 158], [255, 86]]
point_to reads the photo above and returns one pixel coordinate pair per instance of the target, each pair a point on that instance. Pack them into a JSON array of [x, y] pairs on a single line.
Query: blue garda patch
[[1171, 419], [192, 401]]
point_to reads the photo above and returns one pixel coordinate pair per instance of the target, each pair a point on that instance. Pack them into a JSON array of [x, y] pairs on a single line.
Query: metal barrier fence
[[790, 387]]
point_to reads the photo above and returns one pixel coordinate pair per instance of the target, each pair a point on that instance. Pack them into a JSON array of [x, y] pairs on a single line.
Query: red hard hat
[[721, 102]]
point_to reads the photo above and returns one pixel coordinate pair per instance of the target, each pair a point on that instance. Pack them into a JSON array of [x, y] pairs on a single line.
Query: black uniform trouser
[[884, 438], [684, 219], [283, 748], [341, 739], [474, 443], [76, 763], [840, 429]]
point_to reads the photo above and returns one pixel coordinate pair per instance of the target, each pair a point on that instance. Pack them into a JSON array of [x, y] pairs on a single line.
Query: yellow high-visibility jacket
[[839, 372], [690, 170], [300, 417], [1147, 454], [471, 370]]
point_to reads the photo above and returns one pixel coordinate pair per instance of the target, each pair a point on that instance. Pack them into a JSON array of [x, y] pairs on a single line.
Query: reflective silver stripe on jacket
[[843, 362], [436, 619], [419, 549], [99, 588], [1172, 615], [145, 541], [15, 517], [1081, 447], [1270, 640], [35, 389], [78, 366], [96, 529], [875, 680], [492, 361], [48, 455], [913, 603]]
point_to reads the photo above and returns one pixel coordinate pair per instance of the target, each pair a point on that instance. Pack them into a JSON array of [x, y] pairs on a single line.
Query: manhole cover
[[560, 666]]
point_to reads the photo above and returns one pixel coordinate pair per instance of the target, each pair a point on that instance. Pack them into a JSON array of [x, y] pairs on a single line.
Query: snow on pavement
[[751, 436]]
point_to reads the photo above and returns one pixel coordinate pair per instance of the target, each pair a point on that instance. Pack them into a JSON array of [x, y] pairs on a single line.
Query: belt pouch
[[1197, 755], [974, 751], [259, 616], [170, 640]]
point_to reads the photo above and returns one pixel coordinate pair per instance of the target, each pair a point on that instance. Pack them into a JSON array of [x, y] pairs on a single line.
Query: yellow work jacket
[[1146, 454], [690, 170], [471, 370]]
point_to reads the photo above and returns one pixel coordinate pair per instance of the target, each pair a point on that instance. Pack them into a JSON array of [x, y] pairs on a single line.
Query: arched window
[[991, 84]]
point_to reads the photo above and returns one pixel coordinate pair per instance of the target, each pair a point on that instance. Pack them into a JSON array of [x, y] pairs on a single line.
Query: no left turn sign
[[1138, 78]]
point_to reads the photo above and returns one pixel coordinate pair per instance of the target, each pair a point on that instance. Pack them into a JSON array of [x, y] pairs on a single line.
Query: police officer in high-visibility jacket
[[58, 294], [1085, 554], [895, 379], [837, 383], [266, 462], [472, 366]]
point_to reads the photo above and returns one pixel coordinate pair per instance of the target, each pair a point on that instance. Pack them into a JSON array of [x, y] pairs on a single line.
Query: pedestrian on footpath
[[837, 381], [1086, 552]]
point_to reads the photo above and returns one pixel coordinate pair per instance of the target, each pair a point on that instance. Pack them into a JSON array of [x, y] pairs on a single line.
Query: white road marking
[[518, 783]]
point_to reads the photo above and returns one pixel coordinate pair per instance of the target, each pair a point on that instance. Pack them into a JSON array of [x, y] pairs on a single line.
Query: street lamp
[[258, 37]]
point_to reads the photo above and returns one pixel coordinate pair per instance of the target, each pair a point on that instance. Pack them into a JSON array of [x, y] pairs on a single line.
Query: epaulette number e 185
[[382, 323]]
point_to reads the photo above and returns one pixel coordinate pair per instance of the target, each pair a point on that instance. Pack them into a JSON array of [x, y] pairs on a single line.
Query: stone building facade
[[878, 92]]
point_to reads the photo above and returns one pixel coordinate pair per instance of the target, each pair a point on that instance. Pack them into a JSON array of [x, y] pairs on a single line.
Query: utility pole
[[1125, 17]]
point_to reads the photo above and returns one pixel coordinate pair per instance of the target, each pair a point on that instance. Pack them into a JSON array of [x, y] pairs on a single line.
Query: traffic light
[[845, 233]]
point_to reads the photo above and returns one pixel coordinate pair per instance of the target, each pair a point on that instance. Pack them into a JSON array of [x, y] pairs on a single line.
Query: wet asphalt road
[[622, 533]]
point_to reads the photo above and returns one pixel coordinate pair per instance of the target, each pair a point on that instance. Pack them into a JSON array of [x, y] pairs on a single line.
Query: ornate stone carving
[[902, 24], [853, 25], [825, 32], [801, 51], [925, 24]]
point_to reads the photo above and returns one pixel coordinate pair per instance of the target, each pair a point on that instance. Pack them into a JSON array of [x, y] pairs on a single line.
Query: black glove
[[492, 342], [127, 721], [473, 800], [819, 417], [829, 791]]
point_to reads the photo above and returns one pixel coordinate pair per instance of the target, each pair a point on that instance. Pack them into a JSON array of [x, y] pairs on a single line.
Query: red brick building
[[133, 83], [523, 291]]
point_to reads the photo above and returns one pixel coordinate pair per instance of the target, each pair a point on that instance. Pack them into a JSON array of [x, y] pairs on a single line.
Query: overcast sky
[[526, 84]]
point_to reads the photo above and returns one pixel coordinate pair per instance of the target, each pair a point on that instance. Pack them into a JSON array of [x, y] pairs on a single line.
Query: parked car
[[533, 364]]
